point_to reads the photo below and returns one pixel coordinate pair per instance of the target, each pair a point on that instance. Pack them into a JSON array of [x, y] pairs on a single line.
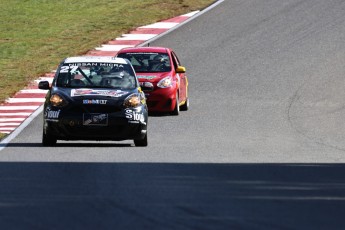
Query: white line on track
[[11, 126], [24, 100], [6, 131], [20, 128], [112, 47], [7, 108], [12, 119], [191, 13], [138, 37], [14, 114], [160, 25], [50, 80], [33, 91]]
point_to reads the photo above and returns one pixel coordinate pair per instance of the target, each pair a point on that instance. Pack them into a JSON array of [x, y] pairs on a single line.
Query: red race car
[[161, 77]]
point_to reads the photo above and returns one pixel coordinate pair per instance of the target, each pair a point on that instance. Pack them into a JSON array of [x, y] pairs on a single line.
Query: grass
[[2, 135], [35, 35]]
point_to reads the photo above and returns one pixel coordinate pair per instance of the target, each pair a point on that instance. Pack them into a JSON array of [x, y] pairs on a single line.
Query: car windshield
[[96, 75], [148, 62]]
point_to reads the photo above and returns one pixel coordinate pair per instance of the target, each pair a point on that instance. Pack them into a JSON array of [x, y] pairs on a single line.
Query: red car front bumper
[[161, 99]]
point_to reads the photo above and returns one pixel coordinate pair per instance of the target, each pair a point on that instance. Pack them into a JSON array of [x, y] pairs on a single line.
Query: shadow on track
[[70, 144], [171, 196]]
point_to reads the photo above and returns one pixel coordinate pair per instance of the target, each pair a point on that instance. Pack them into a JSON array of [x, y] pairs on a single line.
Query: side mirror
[[43, 85], [180, 69]]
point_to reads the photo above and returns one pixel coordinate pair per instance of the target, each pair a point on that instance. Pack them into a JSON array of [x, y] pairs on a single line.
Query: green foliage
[[2, 135]]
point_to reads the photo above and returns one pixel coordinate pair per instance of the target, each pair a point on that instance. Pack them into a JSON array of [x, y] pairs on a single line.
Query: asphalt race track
[[262, 146]]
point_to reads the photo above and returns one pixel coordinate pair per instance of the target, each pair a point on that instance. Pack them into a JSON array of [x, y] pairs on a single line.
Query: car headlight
[[165, 82], [57, 100], [132, 100]]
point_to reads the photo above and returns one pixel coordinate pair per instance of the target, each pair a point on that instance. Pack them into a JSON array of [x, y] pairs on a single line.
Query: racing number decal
[[65, 69], [134, 116]]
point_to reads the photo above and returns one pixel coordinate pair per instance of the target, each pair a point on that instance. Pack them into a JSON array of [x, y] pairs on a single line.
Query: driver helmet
[[159, 58]]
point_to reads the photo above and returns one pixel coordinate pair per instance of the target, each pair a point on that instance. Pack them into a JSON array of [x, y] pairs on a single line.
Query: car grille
[[151, 103], [89, 131], [95, 109]]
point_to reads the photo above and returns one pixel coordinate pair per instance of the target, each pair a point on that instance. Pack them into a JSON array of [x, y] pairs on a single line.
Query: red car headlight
[[165, 82]]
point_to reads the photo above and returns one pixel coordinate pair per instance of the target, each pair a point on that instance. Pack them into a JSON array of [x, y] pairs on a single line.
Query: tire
[[176, 110], [48, 140], [185, 106], [141, 142]]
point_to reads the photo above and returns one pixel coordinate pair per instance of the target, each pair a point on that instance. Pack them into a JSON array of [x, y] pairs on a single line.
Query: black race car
[[94, 98]]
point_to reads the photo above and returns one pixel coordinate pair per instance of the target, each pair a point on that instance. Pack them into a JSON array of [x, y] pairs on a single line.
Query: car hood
[[93, 96], [152, 77]]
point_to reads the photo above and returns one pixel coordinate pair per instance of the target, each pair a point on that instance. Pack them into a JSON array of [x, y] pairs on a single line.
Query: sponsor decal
[[134, 117], [146, 77], [95, 119], [51, 114], [94, 102], [98, 92]]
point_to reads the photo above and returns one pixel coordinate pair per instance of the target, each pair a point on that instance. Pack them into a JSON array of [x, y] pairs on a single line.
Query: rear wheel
[[141, 142]]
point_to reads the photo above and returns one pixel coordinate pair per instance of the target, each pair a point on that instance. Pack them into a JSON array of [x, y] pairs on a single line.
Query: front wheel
[[48, 140], [141, 142], [176, 110], [185, 106]]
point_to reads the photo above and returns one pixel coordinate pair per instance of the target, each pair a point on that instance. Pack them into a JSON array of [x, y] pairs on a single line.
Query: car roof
[[98, 59], [145, 50]]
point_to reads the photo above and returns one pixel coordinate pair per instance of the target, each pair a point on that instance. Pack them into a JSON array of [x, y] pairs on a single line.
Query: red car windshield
[[148, 62]]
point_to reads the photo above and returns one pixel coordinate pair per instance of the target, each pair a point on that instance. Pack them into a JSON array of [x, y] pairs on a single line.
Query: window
[[148, 62], [96, 75]]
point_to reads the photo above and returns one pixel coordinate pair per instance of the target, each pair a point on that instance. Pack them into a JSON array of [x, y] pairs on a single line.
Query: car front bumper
[[122, 125], [161, 99]]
